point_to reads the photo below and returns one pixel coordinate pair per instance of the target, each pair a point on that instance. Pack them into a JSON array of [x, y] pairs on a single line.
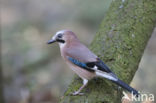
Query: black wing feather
[[90, 65], [100, 64]]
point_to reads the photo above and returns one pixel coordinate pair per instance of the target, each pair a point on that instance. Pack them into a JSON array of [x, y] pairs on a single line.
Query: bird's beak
[[51, 41]]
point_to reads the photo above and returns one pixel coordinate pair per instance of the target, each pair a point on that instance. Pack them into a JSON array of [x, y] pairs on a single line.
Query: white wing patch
[[95, 68]]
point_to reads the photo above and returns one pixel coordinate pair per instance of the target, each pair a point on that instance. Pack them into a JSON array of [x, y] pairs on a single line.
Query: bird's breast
[[84, 74]]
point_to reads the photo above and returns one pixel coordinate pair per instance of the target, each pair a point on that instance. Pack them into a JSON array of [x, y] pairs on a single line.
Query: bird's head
[[63, 37]]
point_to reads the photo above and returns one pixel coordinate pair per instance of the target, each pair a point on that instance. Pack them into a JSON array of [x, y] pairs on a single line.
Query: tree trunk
[[1, 79], [120, 43], [1, 87]]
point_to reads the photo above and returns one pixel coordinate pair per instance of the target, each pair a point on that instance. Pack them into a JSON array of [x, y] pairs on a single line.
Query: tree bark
[[1, 75], [1, 86], [120, 43]]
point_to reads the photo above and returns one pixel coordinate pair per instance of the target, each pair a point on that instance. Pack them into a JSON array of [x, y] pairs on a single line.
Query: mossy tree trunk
[[1, 87], [1, 81], [120, 43]]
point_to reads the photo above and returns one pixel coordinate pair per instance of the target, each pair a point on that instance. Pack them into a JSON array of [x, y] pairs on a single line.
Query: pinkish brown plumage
[[84, 62]]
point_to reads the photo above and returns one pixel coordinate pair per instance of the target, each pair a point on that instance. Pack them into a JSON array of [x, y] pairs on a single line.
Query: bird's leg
[[85, 81]]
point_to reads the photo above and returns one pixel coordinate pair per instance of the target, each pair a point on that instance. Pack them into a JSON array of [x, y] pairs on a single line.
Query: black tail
[[127, 87]]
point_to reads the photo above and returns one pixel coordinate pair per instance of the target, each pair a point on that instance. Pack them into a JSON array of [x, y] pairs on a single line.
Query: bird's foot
[[77, 93]]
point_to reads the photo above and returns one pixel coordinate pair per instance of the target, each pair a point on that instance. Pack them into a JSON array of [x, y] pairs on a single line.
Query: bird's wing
[[81, 53], [100, 65], [99, 68], [84, 58], [91, 66], [80, 64]]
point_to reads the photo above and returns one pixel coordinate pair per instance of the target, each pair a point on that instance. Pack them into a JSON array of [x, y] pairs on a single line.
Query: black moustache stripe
[[61, 41]]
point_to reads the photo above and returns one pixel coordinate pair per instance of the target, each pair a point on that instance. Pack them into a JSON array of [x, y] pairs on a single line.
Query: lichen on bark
[[120, 43]]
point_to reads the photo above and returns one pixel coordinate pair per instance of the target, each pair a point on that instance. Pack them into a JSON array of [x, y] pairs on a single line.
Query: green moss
[[120, 42]]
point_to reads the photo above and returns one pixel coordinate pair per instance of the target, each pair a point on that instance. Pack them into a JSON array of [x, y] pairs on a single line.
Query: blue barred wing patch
[[80, 64], [76, 62]]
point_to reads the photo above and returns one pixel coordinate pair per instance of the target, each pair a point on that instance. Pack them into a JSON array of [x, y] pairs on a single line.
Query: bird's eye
[[59, 35]]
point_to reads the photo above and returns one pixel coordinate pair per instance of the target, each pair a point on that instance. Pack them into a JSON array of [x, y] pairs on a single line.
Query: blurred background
[[33, 71]]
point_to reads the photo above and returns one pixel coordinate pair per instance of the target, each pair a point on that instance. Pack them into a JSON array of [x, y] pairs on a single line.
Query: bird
[[84, 62]]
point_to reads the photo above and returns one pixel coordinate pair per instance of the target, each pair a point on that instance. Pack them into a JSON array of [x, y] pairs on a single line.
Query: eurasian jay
[[84, 62]]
